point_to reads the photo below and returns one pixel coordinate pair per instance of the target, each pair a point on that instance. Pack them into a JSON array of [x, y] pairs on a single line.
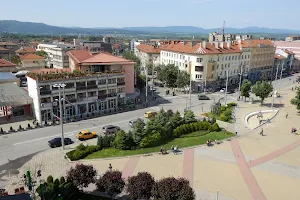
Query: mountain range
[[13, 26]]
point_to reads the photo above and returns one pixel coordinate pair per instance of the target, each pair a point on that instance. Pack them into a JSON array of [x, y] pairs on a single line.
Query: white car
[[222, 90]]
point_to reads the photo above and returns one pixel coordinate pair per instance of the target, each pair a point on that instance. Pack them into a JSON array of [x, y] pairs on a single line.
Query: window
[[228, 64], [228, 57], [199, 68], [225, 65], [232, 58], [199, 59]]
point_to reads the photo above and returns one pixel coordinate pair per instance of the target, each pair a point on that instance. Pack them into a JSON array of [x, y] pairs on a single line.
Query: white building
[[148, 54], [134, 43], [207, 63], [57, 57]]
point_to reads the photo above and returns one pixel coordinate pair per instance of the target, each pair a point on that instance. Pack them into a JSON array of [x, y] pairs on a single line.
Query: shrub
[[172, 188], [80, 147], [82, 175], [105, 141], [232, 104], [79, 154], [223, 108], [50, 179], [140, 186], [123, 141], [227, 112], [62, 180], [112, 182], [192, 127], [213, 120], [224, 117], [151, 140], [215, 127]]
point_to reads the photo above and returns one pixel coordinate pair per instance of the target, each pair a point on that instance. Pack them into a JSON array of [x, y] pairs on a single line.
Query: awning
[[13, 95]]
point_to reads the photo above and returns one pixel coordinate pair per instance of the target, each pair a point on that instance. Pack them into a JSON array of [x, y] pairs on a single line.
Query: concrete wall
[[129, 78], [33, 92], [33, 63]]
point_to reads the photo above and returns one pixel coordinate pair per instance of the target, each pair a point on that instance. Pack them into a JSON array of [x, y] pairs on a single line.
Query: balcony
[[45, 92], [111, 94], [71, 100], [80, 87], [91, 86], [121, 83], [102, 96]]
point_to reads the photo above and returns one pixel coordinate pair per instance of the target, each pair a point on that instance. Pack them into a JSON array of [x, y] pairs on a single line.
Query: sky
[[128, 13]]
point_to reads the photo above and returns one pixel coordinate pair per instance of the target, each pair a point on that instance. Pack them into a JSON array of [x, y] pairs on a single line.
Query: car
[[149, 114], [110, 129], [56, 142], [23, 84], [85, 134], [203, 97], [222, 90], [132, 122]]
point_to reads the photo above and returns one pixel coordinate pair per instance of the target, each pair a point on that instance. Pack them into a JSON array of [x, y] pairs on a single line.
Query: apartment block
[[32, 61], [56, 54], [148, 54]]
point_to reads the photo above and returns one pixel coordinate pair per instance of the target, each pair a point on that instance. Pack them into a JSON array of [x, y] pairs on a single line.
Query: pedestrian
[[292, 89], [262, 132], [286, 116], [110, 168]]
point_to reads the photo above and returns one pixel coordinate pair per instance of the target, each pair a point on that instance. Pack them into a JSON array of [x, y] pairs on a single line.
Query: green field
[[189, 140]]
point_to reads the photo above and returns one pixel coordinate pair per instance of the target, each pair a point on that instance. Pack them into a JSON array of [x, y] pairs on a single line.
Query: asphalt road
[[15, 146]]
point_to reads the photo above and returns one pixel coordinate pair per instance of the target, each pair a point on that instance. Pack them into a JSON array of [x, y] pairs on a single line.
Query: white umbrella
[[21, 73]]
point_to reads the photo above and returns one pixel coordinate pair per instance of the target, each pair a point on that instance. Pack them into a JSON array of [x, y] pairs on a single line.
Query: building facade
[[4, 53], [293, 47], [11, 47], [148, 54], [25, 50], [56, 54], [292, 38], [32, 61], [6, 66]]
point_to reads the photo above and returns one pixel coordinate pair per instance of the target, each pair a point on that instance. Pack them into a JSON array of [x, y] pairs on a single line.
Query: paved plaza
[[247, 167]]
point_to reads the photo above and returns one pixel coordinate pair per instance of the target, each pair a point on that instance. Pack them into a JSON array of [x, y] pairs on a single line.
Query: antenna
[[223, 29]]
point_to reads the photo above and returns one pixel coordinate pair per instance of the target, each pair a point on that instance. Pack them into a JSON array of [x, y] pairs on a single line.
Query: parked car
[[222, 90], [110, 129], [149, 114], [203, 97], [132, 122], [56, 142], [85, 134], [23, 84]]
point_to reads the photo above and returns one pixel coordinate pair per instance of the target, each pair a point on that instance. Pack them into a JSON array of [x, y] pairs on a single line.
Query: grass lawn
[[188, 140]]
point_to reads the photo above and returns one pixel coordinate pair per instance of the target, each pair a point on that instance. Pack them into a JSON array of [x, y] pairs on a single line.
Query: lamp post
[[240, 82], [273, 95], [226, 87], [60, 85]]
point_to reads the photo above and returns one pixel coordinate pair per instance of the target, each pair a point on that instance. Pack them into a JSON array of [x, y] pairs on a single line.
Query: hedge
[[196, 126], [82, 151]]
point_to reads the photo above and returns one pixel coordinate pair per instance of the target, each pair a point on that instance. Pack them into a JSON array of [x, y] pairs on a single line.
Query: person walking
[[262, 132], [287, 115], [110, 168]]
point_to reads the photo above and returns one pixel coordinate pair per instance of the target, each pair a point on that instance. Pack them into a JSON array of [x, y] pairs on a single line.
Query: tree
[[112, 182], [168, 74], [123, 140], [262, 90], [176, 120], [296, 101], [138, 131], [15, 59], [140, 81], [140, 186], [42, 53], [149, 68], [189, 116], [82, 175], [183, 79], [172, 188], [245, 89], [130, 56]]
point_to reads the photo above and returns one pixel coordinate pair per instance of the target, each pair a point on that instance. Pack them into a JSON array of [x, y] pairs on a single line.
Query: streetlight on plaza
[[61, 85]]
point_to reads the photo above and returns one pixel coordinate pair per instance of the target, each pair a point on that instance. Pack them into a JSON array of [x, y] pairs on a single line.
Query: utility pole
[[64, 102], [146, 70], [280, 75], [273, 95], [226, 87], [190, 92], [152, 81], [241, 74]]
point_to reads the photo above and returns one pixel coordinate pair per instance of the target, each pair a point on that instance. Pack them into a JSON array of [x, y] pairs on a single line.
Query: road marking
[[69, 133]]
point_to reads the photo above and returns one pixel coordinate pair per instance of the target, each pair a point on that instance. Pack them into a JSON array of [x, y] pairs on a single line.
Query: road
[[17, 148]]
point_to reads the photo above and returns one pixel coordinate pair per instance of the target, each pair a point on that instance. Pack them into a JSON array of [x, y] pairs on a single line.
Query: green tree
[[183, 79], [141, 81], [15, 59], [296, 101], [130, 56], [189, 116], [262, 89], [150, 68], [245, 89], [42, 53], [168, 74], [138, 131], [176, 120], [123, 140]]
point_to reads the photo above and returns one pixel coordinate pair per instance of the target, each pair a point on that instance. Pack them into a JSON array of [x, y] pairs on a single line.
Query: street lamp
[[61, 85]]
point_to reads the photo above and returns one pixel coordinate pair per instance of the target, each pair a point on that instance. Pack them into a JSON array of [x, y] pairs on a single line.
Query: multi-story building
[[216, 37], [56, 54], [25, 50], [4, 53], [32, 61], [292, 38], [148, 54], [279, 62], [12, 47], [134, 43], [93, 46], [208, 63], [293, 47], [289, 58], [6, 66], [99, 83]]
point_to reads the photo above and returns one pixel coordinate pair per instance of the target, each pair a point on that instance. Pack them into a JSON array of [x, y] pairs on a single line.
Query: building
[[208, 63], [93, 46], [109, 39], [25, 50], [32, 61], [4, 53], [148, 54], [293, 47], [94, 83], [12, 47], [6, 66], [134, 43], [292, 38], [288, 59], [56, 54], [216, 37], [279, 63]]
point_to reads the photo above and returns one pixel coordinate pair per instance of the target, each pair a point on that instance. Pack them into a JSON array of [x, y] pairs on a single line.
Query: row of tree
[[261, 89]]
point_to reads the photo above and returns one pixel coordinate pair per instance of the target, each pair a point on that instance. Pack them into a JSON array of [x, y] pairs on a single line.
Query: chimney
[[204, 44], [221, 45]]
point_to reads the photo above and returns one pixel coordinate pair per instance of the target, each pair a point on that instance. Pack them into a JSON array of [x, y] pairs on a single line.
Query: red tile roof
[[255, 43], [26, 50], [31, 57], [5, 63], [148, 48], [3, 49], [7, 43], [85, 57], [198, 48]]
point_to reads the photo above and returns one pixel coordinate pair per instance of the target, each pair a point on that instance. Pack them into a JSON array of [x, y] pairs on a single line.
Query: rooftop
[[3, 49], [5, 63], [85, 57], [55, 74], [13, 95], [7, 43], [279, 57], [31, 57], [148, 48], [26, 50]]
